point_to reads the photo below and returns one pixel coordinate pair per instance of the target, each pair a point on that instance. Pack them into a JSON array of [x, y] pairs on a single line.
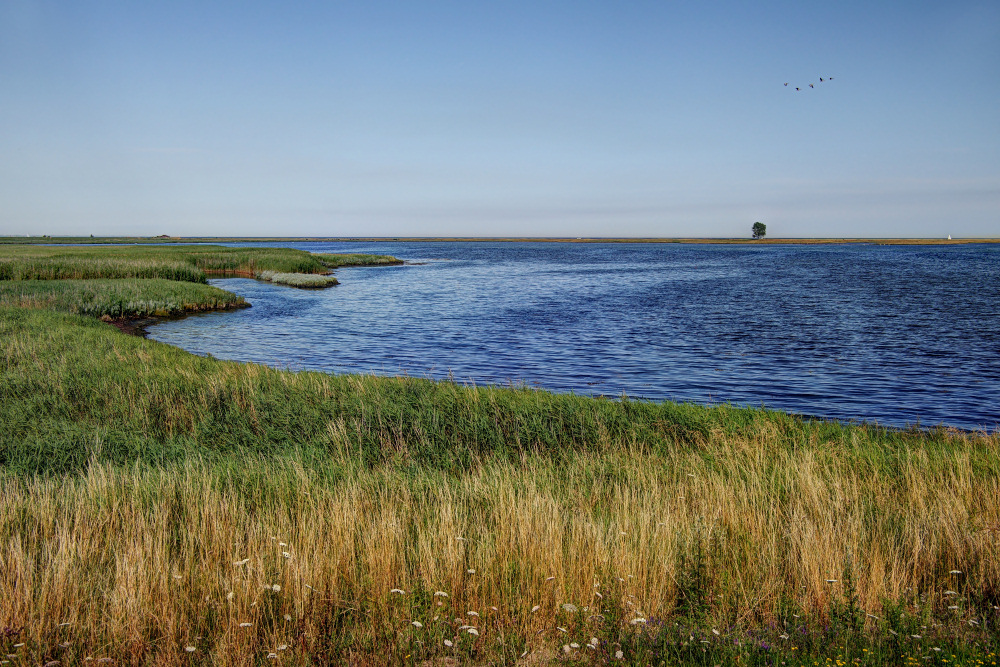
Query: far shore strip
[[476, 239]]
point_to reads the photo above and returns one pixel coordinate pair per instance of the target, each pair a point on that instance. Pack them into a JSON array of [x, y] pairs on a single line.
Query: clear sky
[[537, 118]]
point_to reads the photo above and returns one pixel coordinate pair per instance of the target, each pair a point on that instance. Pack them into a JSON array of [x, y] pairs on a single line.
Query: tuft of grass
[[355, 259], [297, 279]]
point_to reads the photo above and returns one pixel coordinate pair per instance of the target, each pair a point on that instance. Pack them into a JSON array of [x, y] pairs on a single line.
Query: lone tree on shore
[[759, 230]]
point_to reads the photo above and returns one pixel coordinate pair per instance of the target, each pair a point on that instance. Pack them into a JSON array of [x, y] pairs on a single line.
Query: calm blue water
[[899, 335]]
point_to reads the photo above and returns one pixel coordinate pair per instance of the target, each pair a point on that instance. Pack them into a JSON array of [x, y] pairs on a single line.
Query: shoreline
[[136, 326], [138, 240]]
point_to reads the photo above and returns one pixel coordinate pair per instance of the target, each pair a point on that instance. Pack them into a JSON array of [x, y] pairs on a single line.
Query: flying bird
[[811, 86], [821, 79], [786, 84], [797, 88]]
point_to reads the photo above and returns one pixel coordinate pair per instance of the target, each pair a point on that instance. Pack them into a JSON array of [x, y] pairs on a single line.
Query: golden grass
[[143, 563]]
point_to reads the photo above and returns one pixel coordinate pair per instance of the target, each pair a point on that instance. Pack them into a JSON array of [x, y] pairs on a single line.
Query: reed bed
[[161, 508], [297, 279], [117, 298], [350, 259], [191, 263]]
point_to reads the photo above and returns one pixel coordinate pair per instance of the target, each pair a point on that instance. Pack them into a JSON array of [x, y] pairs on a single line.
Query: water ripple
[[900, 335]]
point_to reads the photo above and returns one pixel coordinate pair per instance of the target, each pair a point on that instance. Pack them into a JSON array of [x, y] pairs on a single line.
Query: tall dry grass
[[142, 563]]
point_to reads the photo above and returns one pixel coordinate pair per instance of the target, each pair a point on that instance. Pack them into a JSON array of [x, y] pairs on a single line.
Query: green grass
[[117, 298], [351, 259], [297, 279], [184, 263], [67, 381]]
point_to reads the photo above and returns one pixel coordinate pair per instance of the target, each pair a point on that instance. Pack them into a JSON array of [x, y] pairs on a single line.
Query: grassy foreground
[[163, 508]]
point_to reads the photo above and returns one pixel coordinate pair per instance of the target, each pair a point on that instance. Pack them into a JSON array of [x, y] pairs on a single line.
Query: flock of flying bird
[[821, 80]]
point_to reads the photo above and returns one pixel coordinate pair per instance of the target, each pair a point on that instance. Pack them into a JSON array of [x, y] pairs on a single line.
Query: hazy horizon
[[551, 119]]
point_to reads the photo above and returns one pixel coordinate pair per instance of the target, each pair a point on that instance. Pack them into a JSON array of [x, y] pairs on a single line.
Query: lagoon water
[[901, 335]]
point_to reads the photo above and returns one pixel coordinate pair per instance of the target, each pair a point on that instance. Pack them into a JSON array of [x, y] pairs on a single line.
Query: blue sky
[[499, 119]]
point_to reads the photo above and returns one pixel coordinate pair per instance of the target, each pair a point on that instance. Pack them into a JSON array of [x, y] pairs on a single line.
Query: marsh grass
[[117, 298], [297, 279], [190, 263], [149, 496], [354, 259]]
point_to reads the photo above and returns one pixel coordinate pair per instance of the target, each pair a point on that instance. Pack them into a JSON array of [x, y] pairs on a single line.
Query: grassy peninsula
[[140, 281], [164, 508]]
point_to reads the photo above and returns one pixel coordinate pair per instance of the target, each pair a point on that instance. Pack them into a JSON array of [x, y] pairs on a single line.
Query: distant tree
[[759, 230]]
